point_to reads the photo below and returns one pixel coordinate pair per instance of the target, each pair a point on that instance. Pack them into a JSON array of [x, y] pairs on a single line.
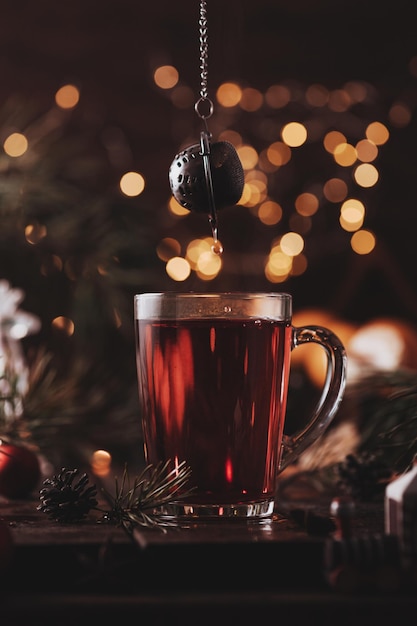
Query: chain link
[[204, 106], [203, 49]]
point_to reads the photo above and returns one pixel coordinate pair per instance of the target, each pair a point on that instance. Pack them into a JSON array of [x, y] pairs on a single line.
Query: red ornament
[[20, 471]]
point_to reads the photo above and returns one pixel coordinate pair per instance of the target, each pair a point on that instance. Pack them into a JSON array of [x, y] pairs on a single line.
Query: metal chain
[[204, 106], [203, 49]]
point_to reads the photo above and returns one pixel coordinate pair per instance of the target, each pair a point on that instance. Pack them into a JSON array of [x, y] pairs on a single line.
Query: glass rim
[[208, 305], [238, 295]]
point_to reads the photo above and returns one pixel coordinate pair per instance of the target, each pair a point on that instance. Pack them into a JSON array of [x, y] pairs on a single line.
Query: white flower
[[14, 373], [14, 322], [9, 299]]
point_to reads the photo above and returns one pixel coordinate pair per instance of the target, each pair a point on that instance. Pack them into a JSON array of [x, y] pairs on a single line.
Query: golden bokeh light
[[270, 212], [335, 190], [275, 277], [378, 133], [345, 154], [256, 192], [229, 94], [292, 244], [352, 214], [208, 265], [366, 150], [101, 462], [278, 153], [354, 207], [15, 145], [196, 248], [294, 134], [332, 139], [278, 265], [67, 97], [176, 208], [166, 76], [64, 324], [248, 156], [363, 242], [246, 195], [306, 204], [178, 268], [350, 225], [132, 184], [35, 232], [251, 99], [366, 175]]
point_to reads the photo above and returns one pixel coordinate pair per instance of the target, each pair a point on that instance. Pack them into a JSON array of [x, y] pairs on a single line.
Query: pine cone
[[64, 500], [363, 476]]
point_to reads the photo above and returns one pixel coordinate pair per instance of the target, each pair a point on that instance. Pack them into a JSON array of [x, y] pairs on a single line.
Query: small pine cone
[[363, 476], [64, 500]]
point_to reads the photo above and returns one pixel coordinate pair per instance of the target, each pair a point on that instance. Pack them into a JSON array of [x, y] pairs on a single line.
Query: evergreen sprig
[[136, 505], [65, 499]]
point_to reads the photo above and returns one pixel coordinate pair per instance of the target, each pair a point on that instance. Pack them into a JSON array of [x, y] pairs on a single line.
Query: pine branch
[[65, 499]]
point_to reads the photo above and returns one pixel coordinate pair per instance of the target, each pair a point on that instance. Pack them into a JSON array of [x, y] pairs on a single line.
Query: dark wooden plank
[[225, 573]]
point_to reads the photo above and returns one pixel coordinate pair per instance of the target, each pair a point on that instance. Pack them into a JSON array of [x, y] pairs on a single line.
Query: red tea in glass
[[215, 397], [213, 374]]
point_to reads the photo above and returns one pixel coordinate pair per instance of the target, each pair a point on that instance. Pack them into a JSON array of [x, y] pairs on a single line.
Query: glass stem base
[[251, 511]]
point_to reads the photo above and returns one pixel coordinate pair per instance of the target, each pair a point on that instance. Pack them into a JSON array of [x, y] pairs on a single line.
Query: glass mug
[[213, 372]]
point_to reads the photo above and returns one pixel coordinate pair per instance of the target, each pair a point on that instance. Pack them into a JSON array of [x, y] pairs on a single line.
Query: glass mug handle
[[332, 393]]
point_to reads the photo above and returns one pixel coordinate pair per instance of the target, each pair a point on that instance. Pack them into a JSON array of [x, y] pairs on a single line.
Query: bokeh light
[[352, 214], [64, 324], [377, 133], [251, 99], [363, 242], [178, 268], [366, 175], [294, 134], [306, 204], [132, 184], [229, 94], [15, 145], [166, 76], [292, 244], [270, 212], [67, 97], [101, 462]]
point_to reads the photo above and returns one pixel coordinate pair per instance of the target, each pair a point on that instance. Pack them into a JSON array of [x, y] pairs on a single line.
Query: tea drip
[[206, 177]]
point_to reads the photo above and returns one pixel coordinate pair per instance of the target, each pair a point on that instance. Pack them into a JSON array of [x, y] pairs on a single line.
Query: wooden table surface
[[211, 573]]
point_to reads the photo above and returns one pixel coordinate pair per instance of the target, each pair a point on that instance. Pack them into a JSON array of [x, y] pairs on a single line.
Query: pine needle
[[155, 486]]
